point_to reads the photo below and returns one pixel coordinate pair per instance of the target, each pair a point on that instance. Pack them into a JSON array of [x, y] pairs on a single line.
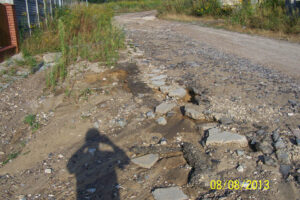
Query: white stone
[[194, 112], [216, 136], [18, 57], [161, 121], [171, 193], [158, 83], [164, 107], [149, 18], [240, 168], [160, 77], [96, 125], [146, 161], [51, 57], [177, 92], [48, 171]]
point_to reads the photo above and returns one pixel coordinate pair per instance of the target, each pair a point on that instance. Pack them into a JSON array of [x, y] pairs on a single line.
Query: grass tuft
[[31, 121]]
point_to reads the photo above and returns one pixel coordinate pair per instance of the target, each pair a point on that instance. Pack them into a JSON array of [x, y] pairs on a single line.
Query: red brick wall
[[4, 28], [12, 23], [9, 43]]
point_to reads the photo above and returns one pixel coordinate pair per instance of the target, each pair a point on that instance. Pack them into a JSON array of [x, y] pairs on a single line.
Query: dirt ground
[[101, 118]]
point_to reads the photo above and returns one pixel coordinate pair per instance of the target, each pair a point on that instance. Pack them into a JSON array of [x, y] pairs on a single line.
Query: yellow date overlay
[[240, 185]]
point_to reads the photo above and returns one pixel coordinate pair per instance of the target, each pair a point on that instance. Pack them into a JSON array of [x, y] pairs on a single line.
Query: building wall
[[12, 24], [4, 28], [8, 31]]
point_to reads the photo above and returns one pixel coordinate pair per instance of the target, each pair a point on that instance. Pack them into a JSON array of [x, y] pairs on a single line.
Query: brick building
[[21, 16], [9, 43]]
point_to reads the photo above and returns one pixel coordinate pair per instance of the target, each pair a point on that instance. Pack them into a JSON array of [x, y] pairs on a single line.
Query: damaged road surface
[[177, 117]]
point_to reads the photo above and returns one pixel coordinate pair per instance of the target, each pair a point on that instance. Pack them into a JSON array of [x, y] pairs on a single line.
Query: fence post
[[45, 11], [51, 9], [37, 12], [28, 16]]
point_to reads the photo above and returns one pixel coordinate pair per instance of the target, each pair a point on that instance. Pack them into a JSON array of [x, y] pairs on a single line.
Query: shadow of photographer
[[95, 169]]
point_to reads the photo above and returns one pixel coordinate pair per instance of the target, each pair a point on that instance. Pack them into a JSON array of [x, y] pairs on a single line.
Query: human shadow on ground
[[95, 169]]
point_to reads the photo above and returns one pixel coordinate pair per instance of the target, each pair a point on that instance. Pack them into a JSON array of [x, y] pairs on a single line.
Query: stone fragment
[[194, 112], [269, 161], [91, 190], [275, 136], [146, 161], [165, 89], [149, 18], [48, 171], [150, 115], [171, 114], [164, 107], [240, 168], [163, 141], [225, 120], [161, 121], [21, 197], [18, 57], [264, 147], [298, 141], [158, 83], [96, 125], [279, 144], [171, 193], [177, 93], [260, 132], [51, 57], [92, 151], [159, 77], [282, 156], [285, 170], [206, 126], [121, 122], [217, 137], [240, 152]]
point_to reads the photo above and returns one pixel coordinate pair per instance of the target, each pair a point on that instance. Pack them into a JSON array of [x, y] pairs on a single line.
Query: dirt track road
[[173, 84], [279, 55]]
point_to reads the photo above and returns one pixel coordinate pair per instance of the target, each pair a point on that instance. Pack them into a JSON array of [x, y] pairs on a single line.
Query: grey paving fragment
[[164, 107], [217, 137], [171, 193], [146, 161]]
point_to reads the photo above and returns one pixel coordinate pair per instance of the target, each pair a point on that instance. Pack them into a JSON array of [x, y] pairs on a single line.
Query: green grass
[[268, 15], [31, 121], [85, 93], [11, 157], [29, 61], [81, 32]]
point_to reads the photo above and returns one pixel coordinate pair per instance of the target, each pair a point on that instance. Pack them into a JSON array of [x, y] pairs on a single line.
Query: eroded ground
[[100, 119]]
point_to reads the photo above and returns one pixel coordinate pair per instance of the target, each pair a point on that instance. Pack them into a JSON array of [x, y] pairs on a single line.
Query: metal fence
[[31, 13]]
